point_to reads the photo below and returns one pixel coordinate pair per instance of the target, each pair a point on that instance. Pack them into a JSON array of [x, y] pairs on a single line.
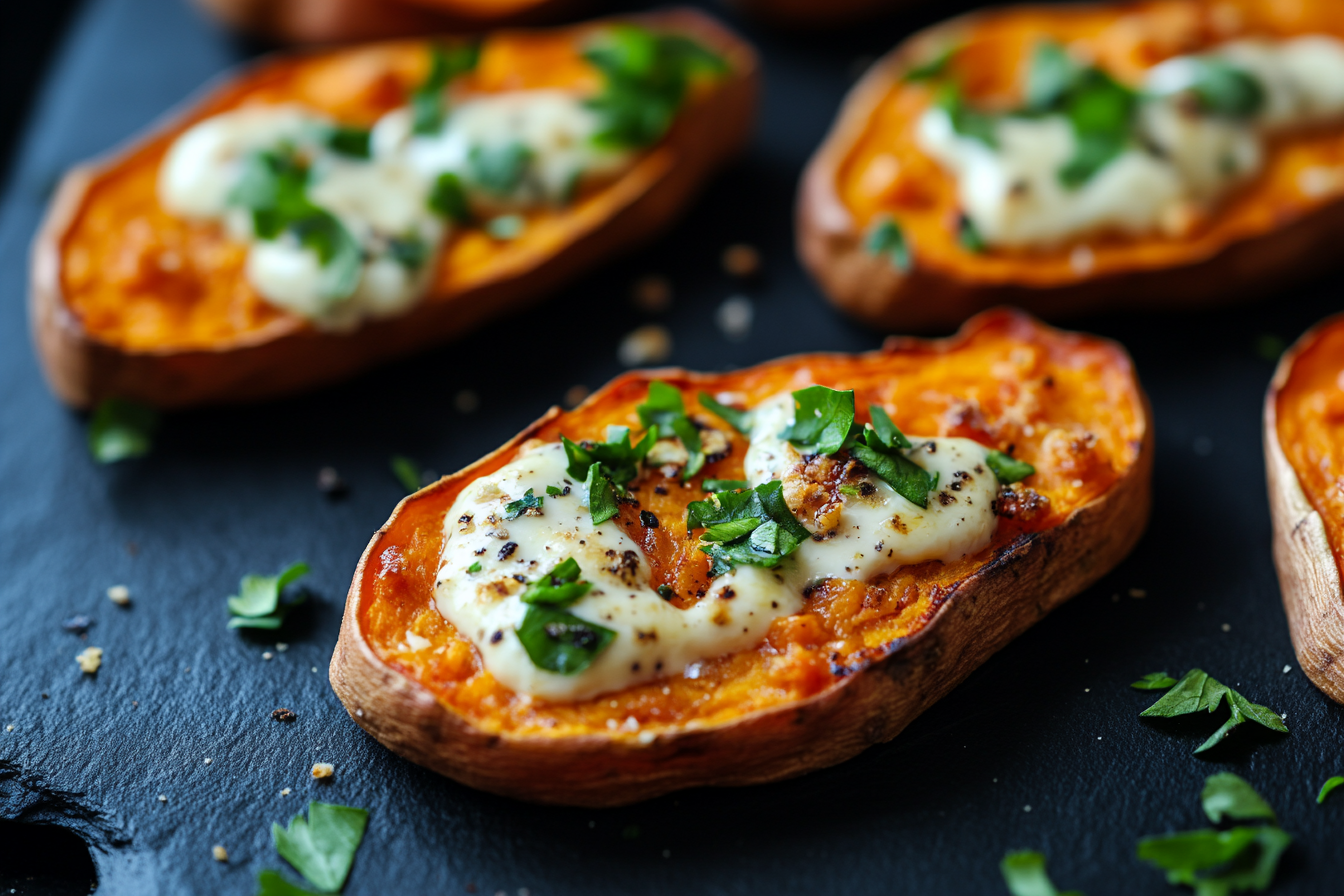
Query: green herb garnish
[[449, 199], [646, 78], [121, 429], [601, 494], [934, 68], [428, 106], [321, 848], [1216, 863], [474, 567], [407, 472], [664, 413], [345, 141], [967, 121], [822, 420], [738, 420], [409, 251], [968, 235], [620, 458], [1154, 681], [558, 588], [1007, 469], [883, 451], [1198, 692], [1024, 874], [505, 227], [753, 527], [561, 642], [886, 239], [257, 603], [1328, 787], [499, 170], [554, 491], [666, 592], [528, 502], [723, 485], [1223, 89]]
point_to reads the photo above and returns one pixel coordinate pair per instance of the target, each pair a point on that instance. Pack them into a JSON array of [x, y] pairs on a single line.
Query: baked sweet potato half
[[1074, 158], [1304, 461], [761, 585], [332, 21], [318, 213]]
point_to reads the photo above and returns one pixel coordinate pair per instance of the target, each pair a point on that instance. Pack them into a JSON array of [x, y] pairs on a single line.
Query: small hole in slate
[[44, 859]]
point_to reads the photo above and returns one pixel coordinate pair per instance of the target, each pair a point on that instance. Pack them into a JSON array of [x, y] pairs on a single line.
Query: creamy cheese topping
[[1013, 194], [875, 533], [511, 151]]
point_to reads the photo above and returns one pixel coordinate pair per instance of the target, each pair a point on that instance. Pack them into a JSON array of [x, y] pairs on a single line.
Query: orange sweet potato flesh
[[1276, 227], [1304, 450], [129, 301], [814, 692]]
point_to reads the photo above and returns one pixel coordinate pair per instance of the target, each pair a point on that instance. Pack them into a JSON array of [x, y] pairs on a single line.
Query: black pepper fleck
[[508, 549], [648, 520]]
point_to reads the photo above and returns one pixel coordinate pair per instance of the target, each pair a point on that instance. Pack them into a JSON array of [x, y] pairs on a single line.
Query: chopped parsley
[[724, 485], [121, 429], [1225, 90], [449, 199], [321, 848], [499, 169], [968, 235], [603, 466], [347, 141], [738, 420], [561, 642], [753, 527], [885, 238], [474, 567], [664, 413], [1006, 469], [666, 592], [967, 121], [428, 106], [408, 251], [257, 603], [601, 494], [527, 503], [883, 451], [1217, 862], [1197, 692], [1024, 874], [934, 68], [560, 587], [554, 491], [646, 77], [1328, 787], [822, 420], [1154, 681]]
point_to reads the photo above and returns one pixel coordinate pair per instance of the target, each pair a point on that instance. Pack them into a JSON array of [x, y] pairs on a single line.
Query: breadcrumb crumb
[[89, 659], [323, 770], [220, 853], [119, 595]]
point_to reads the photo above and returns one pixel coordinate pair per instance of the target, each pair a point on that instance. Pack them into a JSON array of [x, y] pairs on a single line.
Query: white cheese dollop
[[875, 534], [1013, 194]]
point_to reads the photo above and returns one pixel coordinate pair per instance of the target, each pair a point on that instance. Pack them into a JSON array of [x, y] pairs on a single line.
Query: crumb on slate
[[90, 659], [283, 715], [285, 792], [323, 770], [330, 483], [220, 853], [119, 595]]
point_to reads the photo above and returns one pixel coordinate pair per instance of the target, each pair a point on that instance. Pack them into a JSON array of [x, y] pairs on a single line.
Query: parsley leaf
[[407, 472], [561, 642], [822, 420], [475, 567], [499, 170], [322, 848], [601, 495], [723, 485], [646, 76], [885, 238], [428, 107], [559, 588], [408, 251], [968, 235], [738, 420], [966, 121], [524, 504], [1051, 74], [1154, 681], [1328, 787], [1197, 691], [753, 527], [907, 478], [1024, 873], [272, 883], [1228, 796], [664, 412], [1221, 88], [620, 458], [257, 603], [449, 199], [121, 429], [731, 530], [1007, 469], [888, 434], [347, 141], [934, 68]]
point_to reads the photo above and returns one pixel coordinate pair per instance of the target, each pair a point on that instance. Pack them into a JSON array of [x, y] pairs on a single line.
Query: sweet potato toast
[[1262, 231], [854, 666], [329, 21], [132, 302], [1304, 460]]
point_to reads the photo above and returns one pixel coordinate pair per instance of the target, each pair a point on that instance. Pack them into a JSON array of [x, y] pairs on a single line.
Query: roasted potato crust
[[1304, 461], [856, 666], [128, 301], [1274, 229]]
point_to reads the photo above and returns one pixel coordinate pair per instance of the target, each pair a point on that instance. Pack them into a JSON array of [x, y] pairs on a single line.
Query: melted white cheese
[[876, 534], [384, 198], [1015, 199]]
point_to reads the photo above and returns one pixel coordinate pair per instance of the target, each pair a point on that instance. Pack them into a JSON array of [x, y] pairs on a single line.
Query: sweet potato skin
[[1291, 240], [1307, 560], [286, 355], [1024, 580]]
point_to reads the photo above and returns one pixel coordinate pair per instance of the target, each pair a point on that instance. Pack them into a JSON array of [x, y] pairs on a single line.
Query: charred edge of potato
[[1309, 575], [1024, 581], [291, 356], [333, 21], [869, 288]]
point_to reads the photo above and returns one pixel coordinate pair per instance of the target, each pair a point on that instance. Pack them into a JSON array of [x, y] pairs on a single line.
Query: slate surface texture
[[1041, 748]]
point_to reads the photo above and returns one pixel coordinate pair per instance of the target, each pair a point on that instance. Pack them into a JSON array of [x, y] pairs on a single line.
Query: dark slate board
[[1050, 723]]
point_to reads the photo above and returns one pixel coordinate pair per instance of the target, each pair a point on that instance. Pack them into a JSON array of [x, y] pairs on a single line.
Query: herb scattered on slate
[[407, 472], [257, 603], [664, 413], [1007, 469], [526, 504], [1154, 681], [120, 430], [1329, 787], [321, 848], [1024, 873], [887, 240], [738, 420], [1218, 862], [1198, 692]]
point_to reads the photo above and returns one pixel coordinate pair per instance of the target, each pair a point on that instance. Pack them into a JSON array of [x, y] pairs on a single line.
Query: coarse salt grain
[[1317, 181], [1077, 483], [285, 792], [734, 317], [323, 770], [220, 853], [1287, 669], [208, 760], [89, 659], [119, 595], [9, 727], [281, 646], [163, 798], [267, 655], [649, 344]]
